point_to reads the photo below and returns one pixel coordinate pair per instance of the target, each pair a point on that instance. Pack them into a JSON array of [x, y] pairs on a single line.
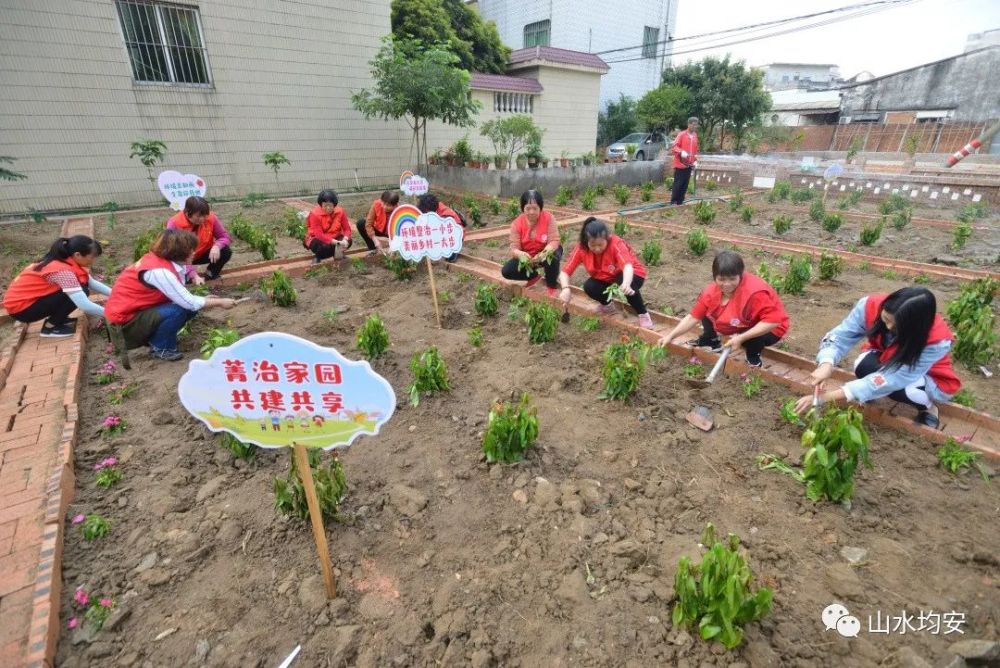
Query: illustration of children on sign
[[318, 420], [290, 422], [304, 421], [275, 419], [263, 424]]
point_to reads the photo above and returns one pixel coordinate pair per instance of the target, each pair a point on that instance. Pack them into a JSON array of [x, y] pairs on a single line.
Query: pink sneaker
[[531, 281], [645, 321], [604, 309]]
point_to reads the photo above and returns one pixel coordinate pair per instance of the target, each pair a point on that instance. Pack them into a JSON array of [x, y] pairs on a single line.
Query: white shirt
[[173, 289]]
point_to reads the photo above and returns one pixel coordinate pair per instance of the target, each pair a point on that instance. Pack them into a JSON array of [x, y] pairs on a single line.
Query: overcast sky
[[884, 42]]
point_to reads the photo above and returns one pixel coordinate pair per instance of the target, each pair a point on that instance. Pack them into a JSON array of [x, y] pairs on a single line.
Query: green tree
[[274, 161], [9, 174], [724, 95], [454, 25], [511, 134], [664, 108], [617, 120], [149, 152], [418, 84]]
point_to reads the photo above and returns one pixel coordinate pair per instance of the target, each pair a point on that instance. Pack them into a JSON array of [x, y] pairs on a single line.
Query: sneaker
[[928, 419], [712, 343], [58, 331], [316, 260], [754, 361], [531, 281], [604, 309], [645, 321], [165, 354], [552, 292]]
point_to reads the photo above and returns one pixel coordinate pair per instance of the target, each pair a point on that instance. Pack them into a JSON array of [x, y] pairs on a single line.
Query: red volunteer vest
[[735, 316], [533, 239], [31, 284], [331, 226], [942, 371], [448, 212], [129, 295], [205, 232], [380, 218], [685, 141], [605, 267]]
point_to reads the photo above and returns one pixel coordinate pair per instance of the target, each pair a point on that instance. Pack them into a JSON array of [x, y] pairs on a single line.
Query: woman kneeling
[[534, 239]]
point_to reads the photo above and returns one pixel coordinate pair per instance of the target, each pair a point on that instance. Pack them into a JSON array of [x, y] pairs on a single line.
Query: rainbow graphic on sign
[[403, 214], [402, 178], [413, 184]]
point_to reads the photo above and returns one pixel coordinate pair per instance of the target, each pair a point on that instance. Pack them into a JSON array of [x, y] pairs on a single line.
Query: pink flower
[[109, 349], [81, 597], [72, 623], [107, 463], [77, 519], [105, 602], [112, 421], [694, 360]]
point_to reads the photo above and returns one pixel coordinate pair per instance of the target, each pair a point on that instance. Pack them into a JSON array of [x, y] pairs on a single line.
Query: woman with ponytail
[[56, 285]]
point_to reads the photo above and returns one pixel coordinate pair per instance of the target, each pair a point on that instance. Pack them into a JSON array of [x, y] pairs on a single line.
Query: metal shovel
[[700, 416], [719, 365]]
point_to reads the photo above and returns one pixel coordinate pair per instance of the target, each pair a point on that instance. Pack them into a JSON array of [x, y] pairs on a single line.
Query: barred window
[[650, 37], [537, 34], [513, 103], [165, 43]]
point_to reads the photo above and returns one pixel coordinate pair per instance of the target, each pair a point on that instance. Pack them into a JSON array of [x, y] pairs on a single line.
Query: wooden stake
[[434, 294], [315, 516]]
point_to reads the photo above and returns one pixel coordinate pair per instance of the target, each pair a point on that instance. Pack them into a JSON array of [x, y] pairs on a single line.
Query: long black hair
[[63, 248], [914, 310], [593, 228], [532, 196]]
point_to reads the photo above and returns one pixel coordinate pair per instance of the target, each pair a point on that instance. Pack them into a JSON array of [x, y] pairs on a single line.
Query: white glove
[[684, 154]]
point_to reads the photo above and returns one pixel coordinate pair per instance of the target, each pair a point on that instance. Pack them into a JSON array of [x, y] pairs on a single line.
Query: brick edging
[[7, 355]]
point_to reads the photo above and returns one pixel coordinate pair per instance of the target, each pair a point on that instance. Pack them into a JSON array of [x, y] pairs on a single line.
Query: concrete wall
[[70, 109], [513, 182], [593, 26], [968, 84]]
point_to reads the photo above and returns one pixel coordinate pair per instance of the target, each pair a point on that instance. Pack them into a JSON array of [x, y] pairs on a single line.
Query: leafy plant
[[274, 160], [542, 321], [614, 291], [317, 270], [965, 397], [668, 183], [476, 337], [954, 458], [476, 214], [799, 273], [736, 202], [564, 195], [894, 202], [650, 253], [591, 324], [493, 206], [624, 365], [120, 393], [513, 208], [9, 174], [107, 373], [830, 266], [112, 424], [752, 385], [219, 337], [832, 222], [329, 481], [510, 430], [971, 212], [835, 442], [295, 225], [890, 275], [430, 375], [142, 242], [746, 213], [693, 370], [240, 450], [697, 241], [622, 193], [971, 318], [782, 224], [444, 296], [852, 149], [871, 233], [901, 219], [921, 279], [601, 189], [715, 595], [960, 235], [789, 415], [781, 191], [373, 339], [280, 289], [108, 473], [94, 526], [816, 211], [647, 189], [486, 303], [801, 196], [252, 199], [588, 199], [400, 267], [358, 265], [621, 226], [704, 212], [150, 152], [774, 279]]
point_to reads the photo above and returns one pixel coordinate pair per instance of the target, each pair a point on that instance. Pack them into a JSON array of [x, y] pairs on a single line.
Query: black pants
[[753, 347], [215, 268], [595, 290], [512, 271], [681, 178], [869, 364], [55, 308], [323, 251], [367, 239]]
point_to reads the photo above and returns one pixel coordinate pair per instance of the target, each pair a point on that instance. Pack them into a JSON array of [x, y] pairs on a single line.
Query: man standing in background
[[685, 152]]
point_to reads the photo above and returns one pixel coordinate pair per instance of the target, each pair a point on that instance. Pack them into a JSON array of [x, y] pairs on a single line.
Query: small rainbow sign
[[413, 184], [403, 214]]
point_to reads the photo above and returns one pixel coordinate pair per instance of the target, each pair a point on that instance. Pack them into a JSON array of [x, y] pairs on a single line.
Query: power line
[[884, 4], [795, 29]]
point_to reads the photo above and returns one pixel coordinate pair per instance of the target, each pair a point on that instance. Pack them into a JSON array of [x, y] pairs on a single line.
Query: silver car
[[648, 146]]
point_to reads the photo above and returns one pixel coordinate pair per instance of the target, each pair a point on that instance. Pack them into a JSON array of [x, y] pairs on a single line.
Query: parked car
[[648, 146]]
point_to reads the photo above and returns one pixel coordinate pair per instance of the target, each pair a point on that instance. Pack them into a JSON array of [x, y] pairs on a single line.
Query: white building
[[629, 35], [981, 40], [802, 107], [808, 76]]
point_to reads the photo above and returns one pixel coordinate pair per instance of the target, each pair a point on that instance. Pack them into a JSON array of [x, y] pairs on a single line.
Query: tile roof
[[561, 56], [502, 82]]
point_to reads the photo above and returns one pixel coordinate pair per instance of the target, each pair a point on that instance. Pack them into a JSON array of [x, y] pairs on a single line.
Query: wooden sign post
[[315, 517], [434, 292]]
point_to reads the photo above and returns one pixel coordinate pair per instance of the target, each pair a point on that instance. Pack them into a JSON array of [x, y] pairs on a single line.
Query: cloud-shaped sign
[[177, 187], [416, 235]]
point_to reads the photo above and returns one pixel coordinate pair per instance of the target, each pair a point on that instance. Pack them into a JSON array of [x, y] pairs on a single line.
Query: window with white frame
[[165, 43], [537, 34], [513, 103], [650, 37]]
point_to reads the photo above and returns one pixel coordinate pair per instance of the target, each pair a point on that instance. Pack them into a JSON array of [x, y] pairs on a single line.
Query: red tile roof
[[502, 82], [561, 56]]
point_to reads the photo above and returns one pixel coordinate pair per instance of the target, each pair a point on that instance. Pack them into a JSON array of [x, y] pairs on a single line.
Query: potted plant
[[534, 155], [522, 161], [545, 162], [630, 150], [564, 159], [435, 158], [449, 156], [500, 161], [483, 159], [587, 159], [463, 151]]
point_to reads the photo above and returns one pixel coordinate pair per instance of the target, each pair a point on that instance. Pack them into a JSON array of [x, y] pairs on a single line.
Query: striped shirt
[[172, 289]]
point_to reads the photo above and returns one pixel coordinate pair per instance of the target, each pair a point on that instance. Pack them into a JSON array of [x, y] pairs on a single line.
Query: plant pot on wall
[[522, 162], [564, 162]]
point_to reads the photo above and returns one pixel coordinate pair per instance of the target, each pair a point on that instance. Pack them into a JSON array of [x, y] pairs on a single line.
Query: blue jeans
[[172, 319]]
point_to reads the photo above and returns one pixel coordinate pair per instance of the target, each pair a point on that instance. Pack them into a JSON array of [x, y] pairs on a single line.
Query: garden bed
[[448, 560]]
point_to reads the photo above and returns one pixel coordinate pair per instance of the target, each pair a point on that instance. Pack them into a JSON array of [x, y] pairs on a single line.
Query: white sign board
[[177, 187], [413, 184], [416, 235], [763, 181]]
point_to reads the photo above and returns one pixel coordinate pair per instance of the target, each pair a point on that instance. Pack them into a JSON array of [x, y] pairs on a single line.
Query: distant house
[[800, 107], [805, 76]]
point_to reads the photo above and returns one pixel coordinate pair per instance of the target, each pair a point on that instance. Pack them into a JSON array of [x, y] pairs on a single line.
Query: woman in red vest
[[327, 228], [738, 305], [685, 152], [57, 284], [375, 226], [429, 202], [149, 300], [610, 261], [534, 236], [213, 240], [905, 355]]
